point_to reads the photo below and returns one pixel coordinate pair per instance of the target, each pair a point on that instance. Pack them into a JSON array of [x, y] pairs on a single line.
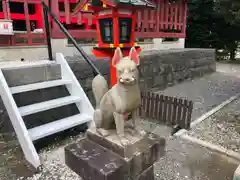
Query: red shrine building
[[22, 27]]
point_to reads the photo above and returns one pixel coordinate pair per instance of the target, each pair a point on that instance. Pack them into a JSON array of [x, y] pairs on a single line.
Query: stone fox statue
[[123, 97]]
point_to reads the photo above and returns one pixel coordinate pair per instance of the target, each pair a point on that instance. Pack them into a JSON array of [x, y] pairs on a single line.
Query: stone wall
[[161, 69], [158, 70]]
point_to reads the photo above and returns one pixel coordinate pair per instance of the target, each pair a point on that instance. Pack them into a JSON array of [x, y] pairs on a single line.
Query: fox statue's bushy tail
[[99, 88]]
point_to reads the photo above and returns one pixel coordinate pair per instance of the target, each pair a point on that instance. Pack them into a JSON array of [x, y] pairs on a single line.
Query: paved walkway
[[185, 160], [230, 69], [209, 91]]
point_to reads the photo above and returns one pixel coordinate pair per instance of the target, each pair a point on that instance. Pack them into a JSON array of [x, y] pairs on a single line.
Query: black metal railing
[[47, 11]]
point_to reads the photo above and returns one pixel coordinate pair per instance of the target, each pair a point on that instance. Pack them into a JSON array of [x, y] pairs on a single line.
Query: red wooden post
[[55, 10], [184, 17], [39, 15], [89, 20], [158, 18], [79, 18], [170, 25], [165, 26], [113, 73], [67, 11], [27, 20], [6, 10], [181, 17], [176, 16], [162, 8]]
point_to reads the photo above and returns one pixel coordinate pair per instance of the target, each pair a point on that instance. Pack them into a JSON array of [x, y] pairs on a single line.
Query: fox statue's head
[[127, 72]]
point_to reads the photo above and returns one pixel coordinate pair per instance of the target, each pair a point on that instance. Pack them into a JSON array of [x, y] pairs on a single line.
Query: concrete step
[[31, 73], [36, 86], [46, 105], [6, 65], [58, 126]]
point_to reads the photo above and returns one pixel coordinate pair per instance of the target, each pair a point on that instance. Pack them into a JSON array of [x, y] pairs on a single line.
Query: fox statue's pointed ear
[[117, 56], [134, 56]]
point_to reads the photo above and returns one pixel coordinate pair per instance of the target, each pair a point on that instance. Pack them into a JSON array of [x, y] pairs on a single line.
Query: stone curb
[[208, 114], [237, 174], [213, 147]]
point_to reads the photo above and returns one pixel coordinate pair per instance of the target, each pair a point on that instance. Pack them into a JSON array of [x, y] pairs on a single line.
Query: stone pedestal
[[98, 158]]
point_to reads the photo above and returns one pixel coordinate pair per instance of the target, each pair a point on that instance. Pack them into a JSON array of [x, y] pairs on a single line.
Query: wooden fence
[[166, 110]]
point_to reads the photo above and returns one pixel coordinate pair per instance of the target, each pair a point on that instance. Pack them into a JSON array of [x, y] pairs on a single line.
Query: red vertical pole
[[113, 73], [67, 11], [6, 10], [55, 10], [27, 19], [39, 23], [157, 29], [176, 15], [162, 21], [184, 17]]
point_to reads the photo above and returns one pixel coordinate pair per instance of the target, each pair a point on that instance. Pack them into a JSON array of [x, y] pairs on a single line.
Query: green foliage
[[214, 24], [230, 10], [200, 23]]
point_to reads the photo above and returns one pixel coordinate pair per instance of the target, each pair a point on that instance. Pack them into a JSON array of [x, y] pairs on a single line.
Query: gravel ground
[[222, 128], [13, 166], [54, 167]]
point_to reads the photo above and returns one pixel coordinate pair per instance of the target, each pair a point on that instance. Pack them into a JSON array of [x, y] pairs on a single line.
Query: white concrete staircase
[[16, 114]]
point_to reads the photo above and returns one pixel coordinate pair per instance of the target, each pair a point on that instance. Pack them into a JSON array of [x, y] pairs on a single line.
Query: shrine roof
[[114, 3], [145, 3]]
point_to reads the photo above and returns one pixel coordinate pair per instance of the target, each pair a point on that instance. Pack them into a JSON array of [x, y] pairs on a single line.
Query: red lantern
[[115, 21]]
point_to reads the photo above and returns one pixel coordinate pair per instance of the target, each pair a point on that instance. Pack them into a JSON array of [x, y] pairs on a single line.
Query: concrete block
[[53, 72], [137, 143], [139, 154], [93, 162]]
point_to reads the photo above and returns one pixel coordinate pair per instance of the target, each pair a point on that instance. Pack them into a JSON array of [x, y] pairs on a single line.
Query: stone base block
[[93, 162], [100, 158], [139, 154], [136, 144], [17, 76]]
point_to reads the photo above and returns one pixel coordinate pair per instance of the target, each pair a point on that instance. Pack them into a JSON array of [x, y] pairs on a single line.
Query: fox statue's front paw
[[103, 132], [139, 131], [124, 141]]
